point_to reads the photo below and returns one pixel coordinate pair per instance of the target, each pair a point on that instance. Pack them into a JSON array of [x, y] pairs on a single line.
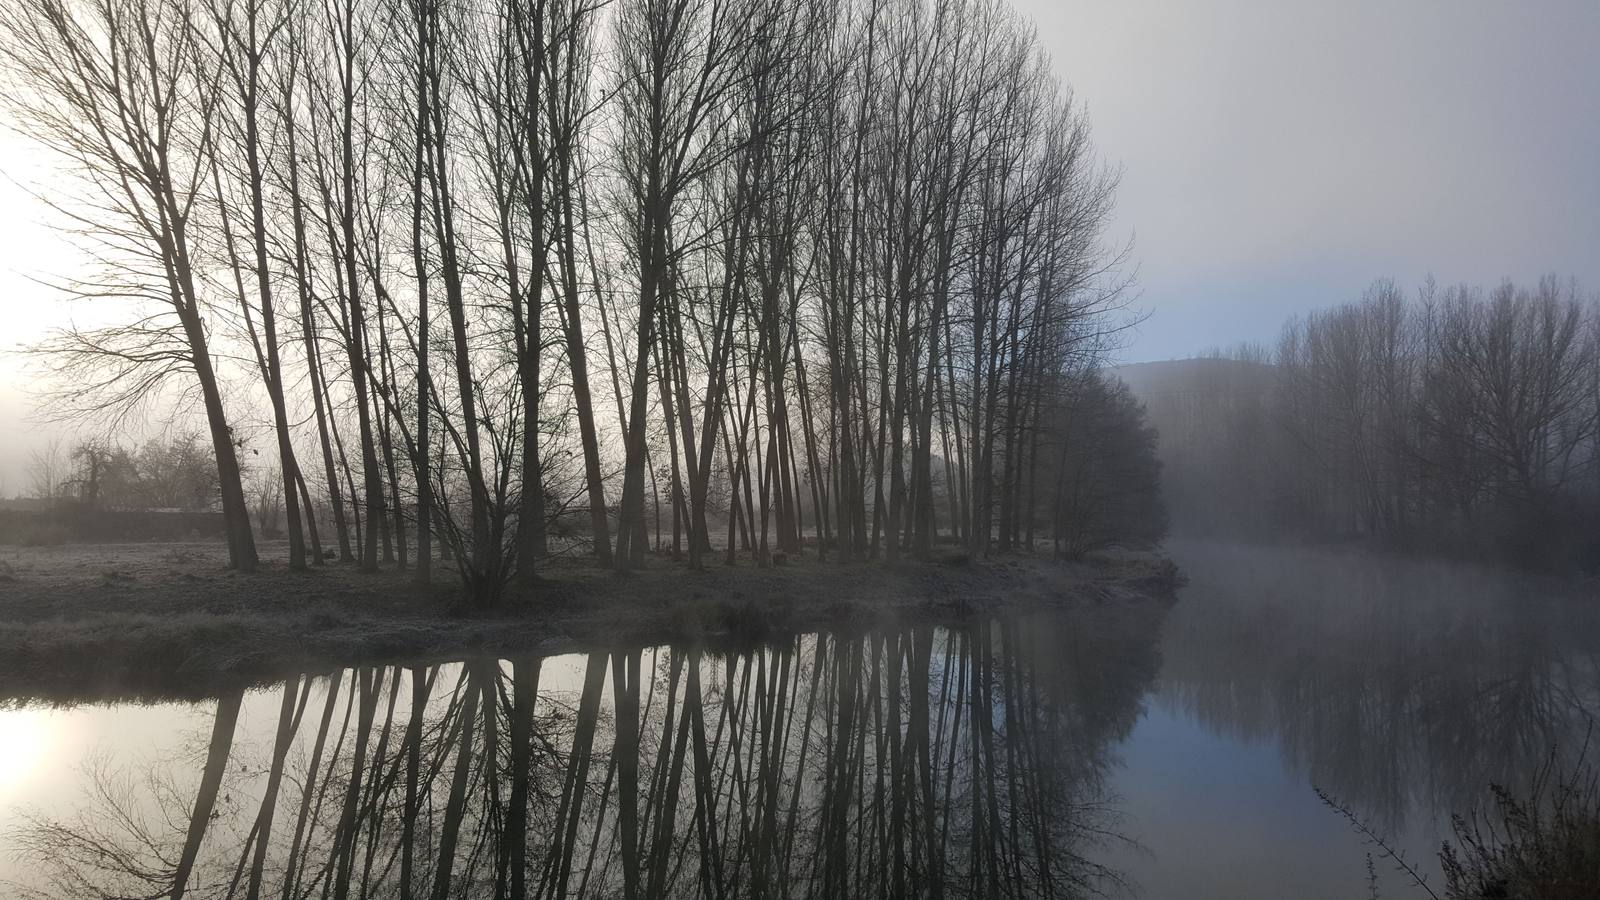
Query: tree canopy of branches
[[826, 274], [178, 473]]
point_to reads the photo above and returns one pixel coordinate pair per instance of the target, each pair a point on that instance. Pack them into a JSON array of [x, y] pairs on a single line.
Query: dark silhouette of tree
[[125, 93], [843, 261]]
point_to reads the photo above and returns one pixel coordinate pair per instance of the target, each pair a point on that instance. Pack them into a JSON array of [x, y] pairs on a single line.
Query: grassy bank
[[145, 621]]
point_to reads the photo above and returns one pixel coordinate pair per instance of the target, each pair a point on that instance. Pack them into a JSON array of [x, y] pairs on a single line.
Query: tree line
[[832, 266], [1458, 419], [176, 473]]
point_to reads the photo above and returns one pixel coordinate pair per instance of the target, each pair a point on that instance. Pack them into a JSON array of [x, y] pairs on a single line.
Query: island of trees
[[510, 278]]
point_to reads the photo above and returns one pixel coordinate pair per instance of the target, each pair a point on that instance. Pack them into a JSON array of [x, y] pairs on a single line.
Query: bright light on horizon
[[26, 737]]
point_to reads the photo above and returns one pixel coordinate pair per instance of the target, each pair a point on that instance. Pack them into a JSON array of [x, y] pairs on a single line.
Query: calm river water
[[1104, 751]]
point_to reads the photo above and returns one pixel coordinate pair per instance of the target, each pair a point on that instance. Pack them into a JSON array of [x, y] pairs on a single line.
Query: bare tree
[[126, 93], [844, 262], [46, 471]]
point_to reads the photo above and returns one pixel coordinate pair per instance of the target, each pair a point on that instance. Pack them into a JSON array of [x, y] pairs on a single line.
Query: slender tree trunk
[[355, 344]]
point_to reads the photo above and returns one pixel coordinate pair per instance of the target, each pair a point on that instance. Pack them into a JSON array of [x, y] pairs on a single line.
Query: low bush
[[1544, 845], [1540, 845]]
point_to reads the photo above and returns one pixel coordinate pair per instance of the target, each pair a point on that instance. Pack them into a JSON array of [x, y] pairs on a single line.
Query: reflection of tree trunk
[[288, 719], [291, 874], [216, 763], [932, 883], [487, 675], [455, 807], [985, 804], [836, 790], [1013, 734], [524, 688], [773, 745], [379, 785], [1035, 751], [561, 849], [954, 739], [349, 823], [900, 784], [625, 685], [705, 802], [599, 827], [819, 658], [413, 749], [666, 782]]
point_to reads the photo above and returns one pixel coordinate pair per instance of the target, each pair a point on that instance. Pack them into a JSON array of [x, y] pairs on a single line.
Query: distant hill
[[1203, 376], [1209, 413]]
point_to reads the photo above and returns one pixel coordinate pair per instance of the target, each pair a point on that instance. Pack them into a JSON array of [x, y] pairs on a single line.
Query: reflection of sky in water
[[28, 737], [1221, 820], [48, 755], [43, 749], [829, 763], [1361, 678]]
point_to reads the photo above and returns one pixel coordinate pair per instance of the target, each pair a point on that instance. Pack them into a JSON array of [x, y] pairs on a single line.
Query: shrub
[[43, 534], [1543, 846]]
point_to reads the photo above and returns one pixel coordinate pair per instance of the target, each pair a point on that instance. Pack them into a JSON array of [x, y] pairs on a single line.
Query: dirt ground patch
[[147, 621]]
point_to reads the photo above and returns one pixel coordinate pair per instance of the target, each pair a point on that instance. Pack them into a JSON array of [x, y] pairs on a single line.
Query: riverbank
[[147, 621]]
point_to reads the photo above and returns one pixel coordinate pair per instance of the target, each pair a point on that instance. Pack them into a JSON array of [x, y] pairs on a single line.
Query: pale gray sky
[[1280, 154], [1277, 156]]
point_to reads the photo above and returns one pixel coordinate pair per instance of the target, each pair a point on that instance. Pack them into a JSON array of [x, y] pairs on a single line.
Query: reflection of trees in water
[[1394, 685], [915, 762]]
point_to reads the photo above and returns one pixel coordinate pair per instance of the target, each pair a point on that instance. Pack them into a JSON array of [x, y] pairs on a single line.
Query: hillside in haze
[[1209, 413], [1198, 376]]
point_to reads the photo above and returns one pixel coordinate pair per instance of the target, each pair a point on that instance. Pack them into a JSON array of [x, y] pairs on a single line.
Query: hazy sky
[[1280, 154], [1277, 156]]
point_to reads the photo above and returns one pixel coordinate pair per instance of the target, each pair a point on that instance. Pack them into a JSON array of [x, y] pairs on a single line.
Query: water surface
[[1102, 751]]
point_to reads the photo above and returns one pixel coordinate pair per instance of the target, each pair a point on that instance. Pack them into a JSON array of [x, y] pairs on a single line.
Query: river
[[1105, 750]]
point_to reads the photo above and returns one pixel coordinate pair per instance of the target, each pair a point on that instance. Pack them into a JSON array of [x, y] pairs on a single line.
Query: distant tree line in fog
[[819, 266], [176, 473], [1458, 419]]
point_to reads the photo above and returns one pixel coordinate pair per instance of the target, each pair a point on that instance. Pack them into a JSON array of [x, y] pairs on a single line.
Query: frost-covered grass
[[146, 620]]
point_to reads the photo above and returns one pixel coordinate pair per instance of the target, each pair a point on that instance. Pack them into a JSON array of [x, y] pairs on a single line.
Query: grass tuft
[[1544, 845]]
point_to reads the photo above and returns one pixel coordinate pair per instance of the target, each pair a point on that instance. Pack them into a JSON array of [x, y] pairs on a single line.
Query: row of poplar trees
[[803, 264]]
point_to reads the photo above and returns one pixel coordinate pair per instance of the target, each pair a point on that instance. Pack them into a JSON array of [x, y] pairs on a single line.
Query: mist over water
[[1403, 688]]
